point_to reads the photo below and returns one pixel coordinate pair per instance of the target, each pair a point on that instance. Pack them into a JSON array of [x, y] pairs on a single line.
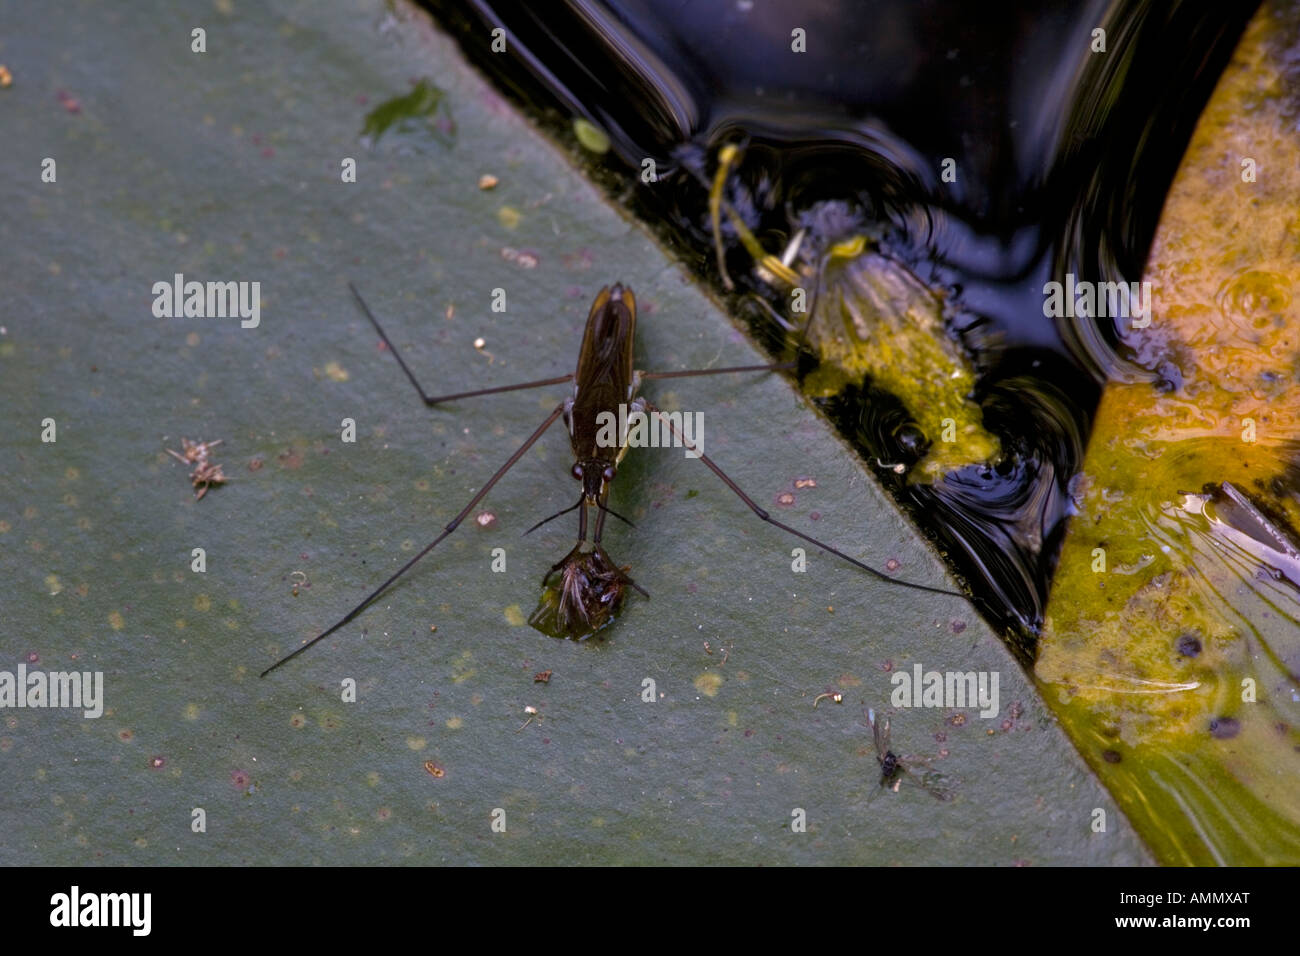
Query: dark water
[[1064, 157]]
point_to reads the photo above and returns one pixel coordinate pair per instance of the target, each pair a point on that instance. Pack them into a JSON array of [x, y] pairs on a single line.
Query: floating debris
[[532, 713], [590, 136]]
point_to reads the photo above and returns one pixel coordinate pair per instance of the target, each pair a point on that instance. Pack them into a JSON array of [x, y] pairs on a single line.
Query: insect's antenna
[[552, 517], [454, 523], [611, 511], [437, 399], [753, 506]]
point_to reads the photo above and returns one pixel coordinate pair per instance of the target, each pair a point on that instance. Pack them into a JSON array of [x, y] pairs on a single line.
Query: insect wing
[[604, 375], [879, 733], [931, 781]]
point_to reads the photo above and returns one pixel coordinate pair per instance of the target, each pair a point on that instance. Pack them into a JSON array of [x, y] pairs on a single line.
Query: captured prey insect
[[892, 770], [592, 586], [590, 592]]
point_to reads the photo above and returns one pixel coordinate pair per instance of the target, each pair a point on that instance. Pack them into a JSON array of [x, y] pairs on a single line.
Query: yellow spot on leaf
[[709, 683], [509, 217]]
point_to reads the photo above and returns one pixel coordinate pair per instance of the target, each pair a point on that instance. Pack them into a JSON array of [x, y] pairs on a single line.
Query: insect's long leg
[[454, 523], [437, 399], [754, 507], [773, 367], [690, 373]]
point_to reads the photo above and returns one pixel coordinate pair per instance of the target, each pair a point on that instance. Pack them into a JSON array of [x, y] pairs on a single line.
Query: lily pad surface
[[685, 732]]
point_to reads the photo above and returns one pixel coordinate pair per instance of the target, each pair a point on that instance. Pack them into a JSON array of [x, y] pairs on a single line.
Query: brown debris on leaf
[[205, 473]]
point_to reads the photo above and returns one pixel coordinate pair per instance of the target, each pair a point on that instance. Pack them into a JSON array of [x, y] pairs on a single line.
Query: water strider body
[[592, 586]]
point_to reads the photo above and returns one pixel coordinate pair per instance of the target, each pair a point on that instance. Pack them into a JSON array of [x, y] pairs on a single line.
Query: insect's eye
[[609, 473], [577, 471]]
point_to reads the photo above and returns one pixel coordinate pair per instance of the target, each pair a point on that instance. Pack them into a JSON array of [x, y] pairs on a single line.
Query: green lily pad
[[685, 732]]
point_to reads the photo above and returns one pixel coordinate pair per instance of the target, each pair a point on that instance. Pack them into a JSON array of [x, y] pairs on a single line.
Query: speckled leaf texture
[[684, 733]]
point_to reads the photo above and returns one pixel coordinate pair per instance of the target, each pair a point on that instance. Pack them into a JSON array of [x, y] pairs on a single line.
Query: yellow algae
[[874, 318], [1172, 639]]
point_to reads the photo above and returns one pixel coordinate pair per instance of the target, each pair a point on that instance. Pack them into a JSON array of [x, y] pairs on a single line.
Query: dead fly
[[892, 770], [589, 593], [591, 584], [205, 473]]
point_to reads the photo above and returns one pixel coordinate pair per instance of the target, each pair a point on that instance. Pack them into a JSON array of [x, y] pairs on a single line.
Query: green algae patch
[[590, 136], [1171, 647], [412, 118]]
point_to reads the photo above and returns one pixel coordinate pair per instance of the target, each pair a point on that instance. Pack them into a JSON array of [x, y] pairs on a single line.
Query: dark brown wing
[[604, 374]]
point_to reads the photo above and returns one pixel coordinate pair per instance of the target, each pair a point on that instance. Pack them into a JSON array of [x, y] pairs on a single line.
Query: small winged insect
[[591, 586], [892, 770]]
